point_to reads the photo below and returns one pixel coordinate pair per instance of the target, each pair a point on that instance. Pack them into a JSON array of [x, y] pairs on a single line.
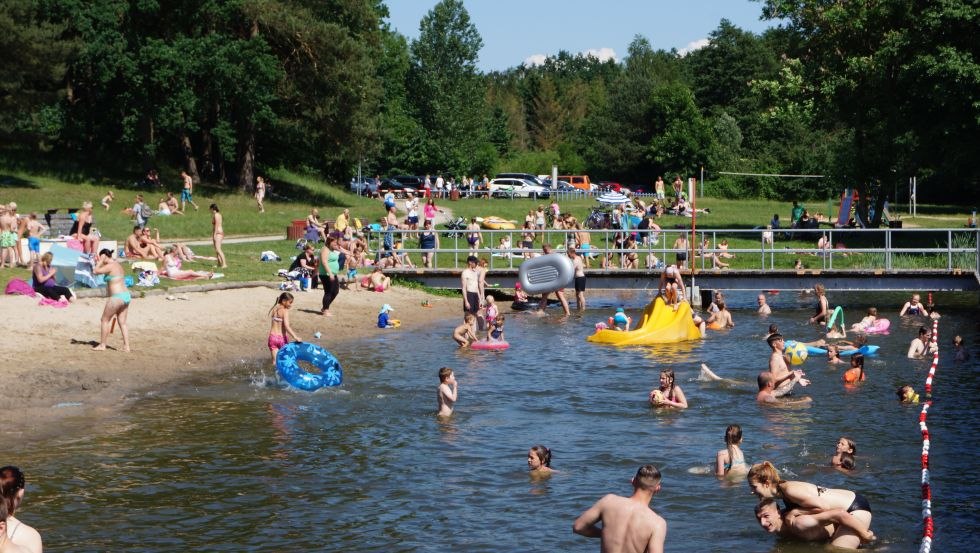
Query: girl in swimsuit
[[765, 483], [730, 461], [845, 445], [117, 306], [913, 307], [495, 329], [218, 235], [539, 461], [669, 394], [280, 324]]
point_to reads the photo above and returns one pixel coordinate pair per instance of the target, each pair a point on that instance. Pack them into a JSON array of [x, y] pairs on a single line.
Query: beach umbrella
[[613, 198]]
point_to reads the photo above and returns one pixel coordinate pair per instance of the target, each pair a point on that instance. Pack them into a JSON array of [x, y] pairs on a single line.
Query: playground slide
[[845, 208], [659, 325]]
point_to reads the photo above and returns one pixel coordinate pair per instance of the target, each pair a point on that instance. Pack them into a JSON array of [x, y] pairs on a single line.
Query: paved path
[[238, 240]]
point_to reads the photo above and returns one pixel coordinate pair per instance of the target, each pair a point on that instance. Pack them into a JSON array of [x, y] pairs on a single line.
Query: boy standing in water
[[629, 525], [447, 392]]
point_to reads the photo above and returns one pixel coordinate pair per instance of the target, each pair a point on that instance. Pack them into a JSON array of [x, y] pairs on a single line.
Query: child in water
[[539, 461], [491, 310], [856, 372], [520, 296], [620, 321], [906, 394], [495, 329], [465, 334], [280, 328], [867, 322], [730, 461], [668, 394], [833, 355], [845, 446], [959, 352], [447, 392]]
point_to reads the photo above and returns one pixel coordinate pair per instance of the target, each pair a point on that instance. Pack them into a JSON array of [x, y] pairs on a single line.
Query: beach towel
[[53, 303], [18, 286]]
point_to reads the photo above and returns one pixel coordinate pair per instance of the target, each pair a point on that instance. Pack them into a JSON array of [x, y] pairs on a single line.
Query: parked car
[[398, 189], [523, 176], [608, 186], [517, 188], [579, 181], [563, 187], [361, 187]]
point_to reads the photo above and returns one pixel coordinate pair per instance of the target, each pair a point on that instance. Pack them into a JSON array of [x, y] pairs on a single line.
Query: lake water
[[232, 463]]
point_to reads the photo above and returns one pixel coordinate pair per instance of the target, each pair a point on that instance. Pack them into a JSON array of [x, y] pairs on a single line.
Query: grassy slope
[[292, 196]]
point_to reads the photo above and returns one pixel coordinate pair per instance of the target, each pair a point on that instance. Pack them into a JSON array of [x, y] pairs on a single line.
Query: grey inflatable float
[[547, 273]]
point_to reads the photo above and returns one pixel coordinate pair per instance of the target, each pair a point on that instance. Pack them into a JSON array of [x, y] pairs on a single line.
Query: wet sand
[[51, 372]]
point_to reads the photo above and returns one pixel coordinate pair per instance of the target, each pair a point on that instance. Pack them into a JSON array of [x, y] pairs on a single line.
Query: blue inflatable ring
[[287, 364]]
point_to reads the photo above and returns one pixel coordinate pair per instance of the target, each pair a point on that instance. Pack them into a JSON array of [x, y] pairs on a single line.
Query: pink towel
[[18, 286], [53, 303]]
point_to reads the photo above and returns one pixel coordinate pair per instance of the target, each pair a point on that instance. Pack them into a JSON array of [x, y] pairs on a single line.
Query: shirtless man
[[721, 318], [823, 310], [8, 237], [767, 391], [579, 263], [835, 526], [187, 193], [921, 344], [783, 379], [139, 246], [764, 308], [629, 525], [448, 392], [471, 285]]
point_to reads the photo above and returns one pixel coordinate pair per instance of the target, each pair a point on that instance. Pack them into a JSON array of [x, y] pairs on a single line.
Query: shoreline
[[52, 374]]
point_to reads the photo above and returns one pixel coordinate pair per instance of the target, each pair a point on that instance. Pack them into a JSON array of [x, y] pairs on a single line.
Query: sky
[[519, 31]]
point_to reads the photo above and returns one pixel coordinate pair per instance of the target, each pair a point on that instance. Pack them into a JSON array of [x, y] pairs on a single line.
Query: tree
[[901, 77], [445, 87]]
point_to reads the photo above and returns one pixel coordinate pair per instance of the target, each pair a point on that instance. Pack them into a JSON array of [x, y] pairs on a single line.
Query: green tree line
[[866, 93]]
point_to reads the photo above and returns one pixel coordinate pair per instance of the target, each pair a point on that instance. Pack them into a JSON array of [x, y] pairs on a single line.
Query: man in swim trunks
[[767, 390], [472, 286], [629, 525], [187, 194], [579, 263], [8, 236], [921, 344], [838, 527]]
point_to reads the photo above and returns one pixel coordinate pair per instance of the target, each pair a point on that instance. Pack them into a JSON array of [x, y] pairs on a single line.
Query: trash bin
[[894, 224], [454, 195], [296, 230]]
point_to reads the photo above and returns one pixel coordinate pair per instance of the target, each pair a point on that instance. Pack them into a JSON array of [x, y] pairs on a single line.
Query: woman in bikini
[[218, 235], [117, 306], [280, 324], [765, 483], [171, 264], [669, 394], [473, 236]]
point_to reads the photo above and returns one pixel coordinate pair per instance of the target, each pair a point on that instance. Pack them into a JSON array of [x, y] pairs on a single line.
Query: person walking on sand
[[448, 392], [629, 525], [187, 193], [117, 306], [218, 235]]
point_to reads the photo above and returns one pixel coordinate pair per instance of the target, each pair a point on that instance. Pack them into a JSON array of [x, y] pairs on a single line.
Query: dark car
[[399, 189]]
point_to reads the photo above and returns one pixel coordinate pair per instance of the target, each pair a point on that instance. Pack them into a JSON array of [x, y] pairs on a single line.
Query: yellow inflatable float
[[496, 223], [659, 325]]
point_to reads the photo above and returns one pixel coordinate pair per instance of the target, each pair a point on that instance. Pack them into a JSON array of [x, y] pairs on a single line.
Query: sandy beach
[[49, 362]]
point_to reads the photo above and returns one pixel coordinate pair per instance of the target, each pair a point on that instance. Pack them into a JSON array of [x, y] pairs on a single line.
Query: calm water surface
[[231, 463]]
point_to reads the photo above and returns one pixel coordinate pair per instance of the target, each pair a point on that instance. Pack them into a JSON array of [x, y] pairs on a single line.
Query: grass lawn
[[293, 195]]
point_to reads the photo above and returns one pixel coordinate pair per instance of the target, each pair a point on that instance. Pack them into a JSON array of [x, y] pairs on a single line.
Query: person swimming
[[856, 372], [846, 446], [731, 461]]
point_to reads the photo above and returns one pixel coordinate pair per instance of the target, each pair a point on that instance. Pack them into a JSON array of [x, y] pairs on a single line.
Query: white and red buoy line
[[928, 526]]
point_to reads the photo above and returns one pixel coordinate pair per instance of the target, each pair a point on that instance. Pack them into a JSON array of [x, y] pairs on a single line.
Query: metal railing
[[869, 249]]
